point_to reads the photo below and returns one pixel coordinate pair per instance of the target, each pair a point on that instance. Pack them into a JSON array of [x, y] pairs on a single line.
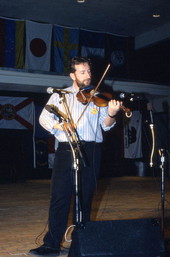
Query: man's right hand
[[67, 126]]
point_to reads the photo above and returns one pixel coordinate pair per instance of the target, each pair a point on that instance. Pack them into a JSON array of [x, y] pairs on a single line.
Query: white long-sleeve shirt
[[89, 126]]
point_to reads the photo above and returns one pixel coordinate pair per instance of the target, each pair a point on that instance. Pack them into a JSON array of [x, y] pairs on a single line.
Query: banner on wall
[[38, 46], [92, 44], [132, 136], [12, 43], [27, 44], [16, 113], [66, 42], [117, 54]]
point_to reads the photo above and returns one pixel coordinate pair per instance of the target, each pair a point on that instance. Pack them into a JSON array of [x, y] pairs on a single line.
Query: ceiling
[[123, 17]]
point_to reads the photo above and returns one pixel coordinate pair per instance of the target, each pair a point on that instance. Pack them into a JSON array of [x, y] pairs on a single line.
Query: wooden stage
[[24, 208]]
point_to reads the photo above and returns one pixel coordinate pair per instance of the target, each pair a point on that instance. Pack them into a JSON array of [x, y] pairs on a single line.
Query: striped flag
[[12, 43], [38, 46], [92, 46], [16, 113], [66, 42], [132, 136]]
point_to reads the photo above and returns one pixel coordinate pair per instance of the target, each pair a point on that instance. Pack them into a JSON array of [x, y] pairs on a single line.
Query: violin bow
[[94, 91]]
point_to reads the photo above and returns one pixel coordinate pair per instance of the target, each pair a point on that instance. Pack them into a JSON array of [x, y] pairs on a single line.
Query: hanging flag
[[92, 46], [132, 136], [11, 43], [65, 47], [41, 153], [118, 49], [51, 151], [38, 46], [16, 113]]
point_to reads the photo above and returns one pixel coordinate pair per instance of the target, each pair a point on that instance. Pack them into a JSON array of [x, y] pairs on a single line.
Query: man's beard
[[82, 84]]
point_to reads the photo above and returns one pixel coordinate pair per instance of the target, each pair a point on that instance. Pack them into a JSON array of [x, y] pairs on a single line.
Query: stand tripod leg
[[78, 206]]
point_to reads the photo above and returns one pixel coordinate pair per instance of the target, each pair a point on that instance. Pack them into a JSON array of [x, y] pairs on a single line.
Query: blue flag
[[92, 45], [66, 42], [11, 43]]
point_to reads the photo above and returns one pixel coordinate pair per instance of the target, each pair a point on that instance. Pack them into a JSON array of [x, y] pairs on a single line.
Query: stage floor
[[24, 208]]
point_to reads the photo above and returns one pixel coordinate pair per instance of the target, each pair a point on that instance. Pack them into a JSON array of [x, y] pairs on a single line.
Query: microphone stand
[[151, 125], [78, 158], [162, 167], [161, 153]]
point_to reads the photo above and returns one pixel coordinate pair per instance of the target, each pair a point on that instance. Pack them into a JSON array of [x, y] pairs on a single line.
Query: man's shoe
[[45, 250]]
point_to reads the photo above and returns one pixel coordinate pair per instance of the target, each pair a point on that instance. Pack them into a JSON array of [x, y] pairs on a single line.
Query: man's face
[[82, 75]]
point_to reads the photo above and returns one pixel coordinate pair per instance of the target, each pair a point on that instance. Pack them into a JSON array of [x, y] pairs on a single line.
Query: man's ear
[[72, 76]]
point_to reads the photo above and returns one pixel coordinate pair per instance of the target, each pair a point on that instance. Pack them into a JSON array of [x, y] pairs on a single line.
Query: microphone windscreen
[[122, 95], [50, 90]]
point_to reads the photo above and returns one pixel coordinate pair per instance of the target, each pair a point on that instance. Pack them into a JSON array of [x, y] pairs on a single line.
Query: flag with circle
[[38, 46], [16, 113], [118, 50]]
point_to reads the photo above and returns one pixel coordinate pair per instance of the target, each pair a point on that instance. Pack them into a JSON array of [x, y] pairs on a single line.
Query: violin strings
[[89, 100]]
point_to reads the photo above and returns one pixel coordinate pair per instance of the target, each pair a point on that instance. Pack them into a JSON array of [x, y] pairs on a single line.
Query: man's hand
[[113, 107], [67, 126]]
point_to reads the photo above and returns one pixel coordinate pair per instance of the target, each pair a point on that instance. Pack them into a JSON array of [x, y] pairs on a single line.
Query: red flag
[[16, 113]]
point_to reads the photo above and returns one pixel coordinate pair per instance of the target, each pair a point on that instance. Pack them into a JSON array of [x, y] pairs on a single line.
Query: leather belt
[[66, 145]]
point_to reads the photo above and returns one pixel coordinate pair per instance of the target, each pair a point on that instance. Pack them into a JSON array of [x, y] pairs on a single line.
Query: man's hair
[[76, 61]]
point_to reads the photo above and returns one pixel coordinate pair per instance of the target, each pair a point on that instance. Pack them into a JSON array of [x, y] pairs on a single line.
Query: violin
[[100, 99], [90, 94]]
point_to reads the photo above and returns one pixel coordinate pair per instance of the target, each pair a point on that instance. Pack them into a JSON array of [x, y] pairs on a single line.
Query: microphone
[[53, 110], [51, 90], [150, 109], [129, 96]]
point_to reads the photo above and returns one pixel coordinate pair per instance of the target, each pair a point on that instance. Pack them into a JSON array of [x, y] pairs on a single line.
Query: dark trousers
[[63, 186]]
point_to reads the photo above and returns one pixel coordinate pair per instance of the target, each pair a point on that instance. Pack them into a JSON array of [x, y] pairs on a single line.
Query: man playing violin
[[89, 128]]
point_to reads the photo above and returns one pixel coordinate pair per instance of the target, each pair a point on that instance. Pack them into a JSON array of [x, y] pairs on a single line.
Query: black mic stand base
[[162, 167]]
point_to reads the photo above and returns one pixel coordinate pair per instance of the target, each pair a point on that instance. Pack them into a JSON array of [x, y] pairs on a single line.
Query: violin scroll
[[127, 111]]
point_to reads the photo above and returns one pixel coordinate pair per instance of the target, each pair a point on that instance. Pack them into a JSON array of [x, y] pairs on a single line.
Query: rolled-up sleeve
[[103, 116]]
